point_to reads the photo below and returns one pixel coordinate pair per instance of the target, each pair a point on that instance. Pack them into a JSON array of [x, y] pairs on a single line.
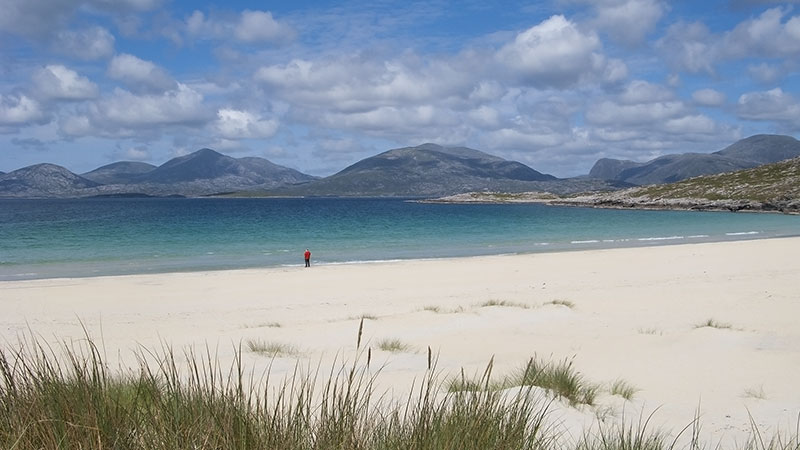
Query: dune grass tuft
[[504, 303], [755, 392], [394, 346], [651, 331], [711, 323], [623, 389], [565, 303], [275, 349], [560, 378]]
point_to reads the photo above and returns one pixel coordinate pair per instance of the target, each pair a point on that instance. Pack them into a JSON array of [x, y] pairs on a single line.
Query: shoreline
[[537, 249], [708, 324]]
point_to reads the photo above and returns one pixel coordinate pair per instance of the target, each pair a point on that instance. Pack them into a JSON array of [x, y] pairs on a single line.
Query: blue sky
[[319, 85]]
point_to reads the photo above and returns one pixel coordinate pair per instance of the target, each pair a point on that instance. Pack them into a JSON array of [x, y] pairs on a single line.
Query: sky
[[318, 85]]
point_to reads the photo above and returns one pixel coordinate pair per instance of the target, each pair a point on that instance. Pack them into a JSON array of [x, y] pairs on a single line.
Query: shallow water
[[90, 237]]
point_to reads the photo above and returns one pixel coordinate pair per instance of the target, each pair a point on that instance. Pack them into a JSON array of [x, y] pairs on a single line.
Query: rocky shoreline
[[623, 200]]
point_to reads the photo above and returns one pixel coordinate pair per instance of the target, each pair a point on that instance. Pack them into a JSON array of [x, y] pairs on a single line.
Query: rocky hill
[[122, 172], [433, 170], [44, 180], [203, 172], [770, 187], [744, 154]]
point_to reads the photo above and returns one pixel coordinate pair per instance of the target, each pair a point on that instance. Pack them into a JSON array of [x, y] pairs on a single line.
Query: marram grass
[[67, 398]]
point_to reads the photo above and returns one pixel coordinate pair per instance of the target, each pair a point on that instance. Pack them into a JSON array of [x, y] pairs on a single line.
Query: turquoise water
[[89, 237]]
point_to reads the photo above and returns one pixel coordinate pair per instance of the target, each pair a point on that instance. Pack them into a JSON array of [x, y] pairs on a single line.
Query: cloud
[[41, 19], [30, 144], [628, 21], [259, 26], [35, 18], [139, 153], [692, 47], [554, 53], [20, 110], [88, 44], [773, 105], [235, 124], [248, 26], [359, 84], [764, 36], [125, 114], [140, 75], [708, 97], [60, 83], [765, 73]]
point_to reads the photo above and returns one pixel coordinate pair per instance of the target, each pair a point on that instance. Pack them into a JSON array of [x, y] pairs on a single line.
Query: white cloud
[[694, 48], [249, 26], [139, 74], [256, 26], [76, 126], [44, 18], [764, 73], [236, 124], [690, 124], [628, 21], [60, 83], [139, 153], [179, 106], [125, 114], [611, 113], [773, 105], [764, 36], [35, 18], [554, 53], [640, 91], [87, 44], [20, 110], [355, 84], [708, 97], [689, 47]]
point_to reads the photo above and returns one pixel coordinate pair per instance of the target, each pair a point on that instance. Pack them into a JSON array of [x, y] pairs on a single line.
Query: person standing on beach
[[307, 256]]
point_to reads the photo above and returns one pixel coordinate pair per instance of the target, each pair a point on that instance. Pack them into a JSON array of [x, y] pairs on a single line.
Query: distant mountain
[[122, 172], [609, 169], [425, 170], [769, 187], [43, 180], [763, 149], [746, 153], [203, 172]]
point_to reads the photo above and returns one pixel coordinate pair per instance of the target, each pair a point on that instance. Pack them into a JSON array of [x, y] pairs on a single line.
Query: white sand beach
[[634, 314]]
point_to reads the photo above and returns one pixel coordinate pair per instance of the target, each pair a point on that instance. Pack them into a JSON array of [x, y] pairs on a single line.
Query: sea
[[116, 236]]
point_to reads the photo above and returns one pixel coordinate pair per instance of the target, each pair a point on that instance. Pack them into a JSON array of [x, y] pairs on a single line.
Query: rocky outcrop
[[744, 154]]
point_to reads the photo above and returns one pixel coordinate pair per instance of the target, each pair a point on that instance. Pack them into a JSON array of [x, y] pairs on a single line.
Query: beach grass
[[755, 392], [67, 397], [712, 323], [394, 346], [559, 302], [622, 388], [504, 303], [560, 378], [271, 348]]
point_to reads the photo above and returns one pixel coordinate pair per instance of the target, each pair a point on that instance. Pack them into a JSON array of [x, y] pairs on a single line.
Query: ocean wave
[[590, 241], [741, 233], [661, 238]]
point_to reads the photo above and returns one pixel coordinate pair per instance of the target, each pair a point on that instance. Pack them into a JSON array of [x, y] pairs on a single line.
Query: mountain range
[[744, 154], [426, 170]]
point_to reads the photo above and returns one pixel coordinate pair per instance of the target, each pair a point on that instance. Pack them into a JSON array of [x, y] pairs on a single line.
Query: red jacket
[[307, 254]]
